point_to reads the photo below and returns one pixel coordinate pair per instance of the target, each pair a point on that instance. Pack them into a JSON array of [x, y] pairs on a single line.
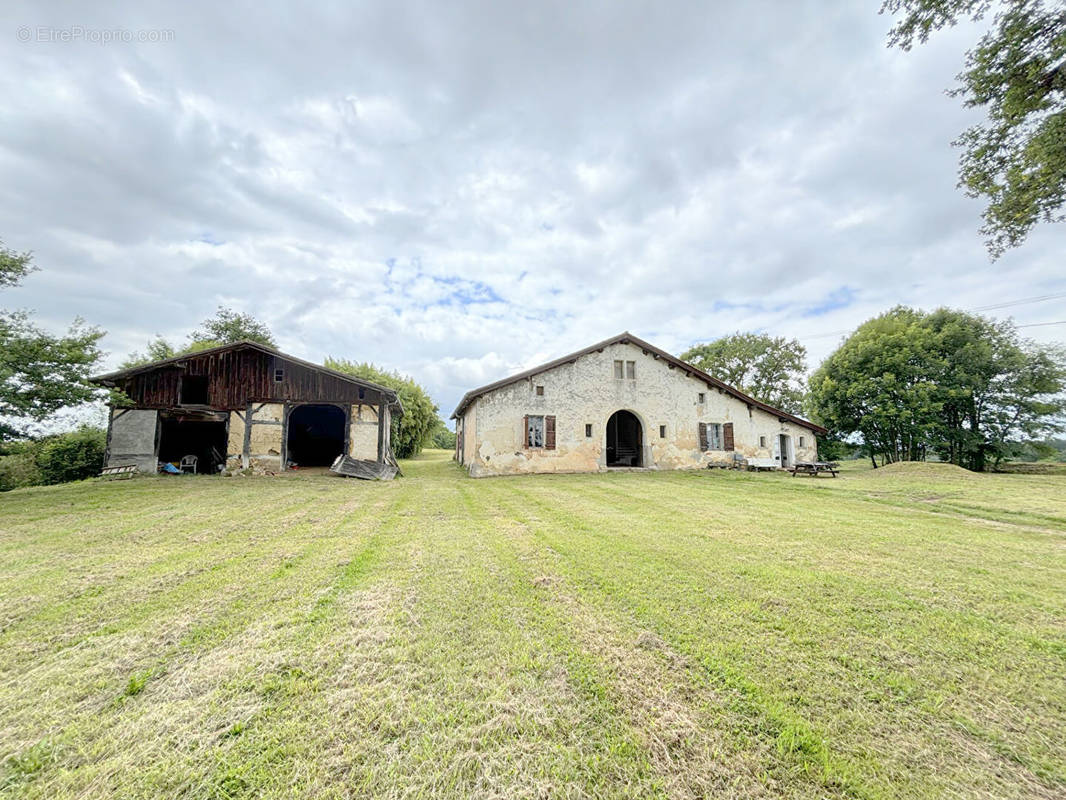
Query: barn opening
[[625, 440], [316, 435], [198, 439]]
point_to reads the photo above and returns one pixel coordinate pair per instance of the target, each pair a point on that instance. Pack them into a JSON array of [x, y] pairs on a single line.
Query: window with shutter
[[619, 370], [631, 370], [549, 433], [727, 436], [703, 436], [535, 430]]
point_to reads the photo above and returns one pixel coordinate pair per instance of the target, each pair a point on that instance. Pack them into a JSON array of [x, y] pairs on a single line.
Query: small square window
[[540, 391], [662, 431], [762, 441], [279, 375], [631, 370], [588, 430], [619, 370], [701, 397]]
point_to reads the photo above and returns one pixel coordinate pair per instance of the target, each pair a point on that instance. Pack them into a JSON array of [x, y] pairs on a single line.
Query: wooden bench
[[119, 473], [759, 464], [813, 468]]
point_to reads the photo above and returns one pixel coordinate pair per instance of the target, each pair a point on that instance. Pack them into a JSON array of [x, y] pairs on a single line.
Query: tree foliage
[[1017, 158], [414, 430], [229, 326], [962, 386], [442, 438], [40, 373], [768, 368], [225, 327], [58, 458]]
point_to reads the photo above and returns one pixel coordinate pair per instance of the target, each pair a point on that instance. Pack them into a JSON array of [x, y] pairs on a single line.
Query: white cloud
[[459, 192]]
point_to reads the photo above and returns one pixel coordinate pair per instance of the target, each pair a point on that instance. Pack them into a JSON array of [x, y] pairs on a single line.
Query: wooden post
[[381, 432], [247, 454]]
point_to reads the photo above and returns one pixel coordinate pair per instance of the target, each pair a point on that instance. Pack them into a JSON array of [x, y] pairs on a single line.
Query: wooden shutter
[[703, 436], [525, 431], [727, 435], [549, 433]]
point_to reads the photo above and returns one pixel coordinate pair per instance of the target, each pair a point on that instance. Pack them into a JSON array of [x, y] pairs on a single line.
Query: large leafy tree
[[40, 373], [225, 327], [415, 429], [947, 382], [1016, 159], [768, 368]]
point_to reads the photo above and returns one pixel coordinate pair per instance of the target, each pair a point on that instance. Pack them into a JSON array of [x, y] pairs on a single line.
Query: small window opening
[[588, 431], [619, 370], [535, 432], [540, 391], [662, 431], [193, 390], [762, 441], [702, 397], [802, 440], [362, 393], [631, 370], [279, 375]]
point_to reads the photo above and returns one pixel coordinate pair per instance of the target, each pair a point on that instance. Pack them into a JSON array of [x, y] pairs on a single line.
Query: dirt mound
[[918, 469]]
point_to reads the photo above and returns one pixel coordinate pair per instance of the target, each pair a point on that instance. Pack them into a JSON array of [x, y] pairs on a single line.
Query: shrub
[[71, 456], [18, 467]]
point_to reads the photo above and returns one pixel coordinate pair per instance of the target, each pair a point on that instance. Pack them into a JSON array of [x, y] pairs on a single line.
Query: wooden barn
[[244, 405]]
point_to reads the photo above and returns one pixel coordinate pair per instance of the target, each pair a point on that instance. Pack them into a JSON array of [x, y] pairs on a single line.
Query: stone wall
[[132, 438], [586, 392]]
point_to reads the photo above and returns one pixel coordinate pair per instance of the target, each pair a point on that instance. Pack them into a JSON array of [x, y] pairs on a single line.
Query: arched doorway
[[316, 435], [625, 440]]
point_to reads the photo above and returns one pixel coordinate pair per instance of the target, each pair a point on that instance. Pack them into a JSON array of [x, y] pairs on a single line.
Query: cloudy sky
[[461, 190]]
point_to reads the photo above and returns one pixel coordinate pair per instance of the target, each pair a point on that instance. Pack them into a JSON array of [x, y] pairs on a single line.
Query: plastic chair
[[188, 464]]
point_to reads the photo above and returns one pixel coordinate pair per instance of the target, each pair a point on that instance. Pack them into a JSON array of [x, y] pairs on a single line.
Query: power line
[[1008, 304], [1018, 302]]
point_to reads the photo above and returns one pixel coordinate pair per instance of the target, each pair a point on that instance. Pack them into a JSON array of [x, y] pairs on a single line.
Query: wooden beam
[[381, 433]]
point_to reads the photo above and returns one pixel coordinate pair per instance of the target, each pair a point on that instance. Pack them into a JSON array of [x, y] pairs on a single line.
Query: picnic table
[[813, 468]]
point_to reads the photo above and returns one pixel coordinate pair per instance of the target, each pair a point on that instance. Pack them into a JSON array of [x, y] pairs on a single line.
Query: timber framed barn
[[622, 403], [245, 405]]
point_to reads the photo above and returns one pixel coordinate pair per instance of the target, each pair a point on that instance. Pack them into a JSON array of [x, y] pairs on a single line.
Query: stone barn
[[621, 403], [242, 405]]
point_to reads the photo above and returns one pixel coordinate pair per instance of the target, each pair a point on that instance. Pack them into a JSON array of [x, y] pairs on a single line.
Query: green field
[[898, 633]]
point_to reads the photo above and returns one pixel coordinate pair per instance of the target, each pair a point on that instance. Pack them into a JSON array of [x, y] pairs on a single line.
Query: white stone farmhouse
[[621, 403]]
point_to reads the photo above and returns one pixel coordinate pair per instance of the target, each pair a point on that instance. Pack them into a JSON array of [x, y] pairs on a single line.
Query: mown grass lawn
[[887, 634]]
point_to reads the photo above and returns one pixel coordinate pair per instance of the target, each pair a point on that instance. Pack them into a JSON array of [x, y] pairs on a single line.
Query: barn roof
[[627, 338], [111, 378]]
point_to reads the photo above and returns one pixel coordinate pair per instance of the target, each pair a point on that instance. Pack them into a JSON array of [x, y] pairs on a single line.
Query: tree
[[226, 327], [1017, 158], [442, 438], [229, 326], [770, 369], [39, 373], [412, 431], [955, 384]]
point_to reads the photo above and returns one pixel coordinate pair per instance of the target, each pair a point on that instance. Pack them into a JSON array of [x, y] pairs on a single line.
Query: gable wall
[[586, 391]]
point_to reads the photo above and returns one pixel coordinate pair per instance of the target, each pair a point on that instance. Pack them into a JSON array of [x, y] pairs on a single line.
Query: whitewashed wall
[[586, 392]]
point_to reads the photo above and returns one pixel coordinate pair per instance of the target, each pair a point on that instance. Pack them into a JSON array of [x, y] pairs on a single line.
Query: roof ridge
[[622, 338]]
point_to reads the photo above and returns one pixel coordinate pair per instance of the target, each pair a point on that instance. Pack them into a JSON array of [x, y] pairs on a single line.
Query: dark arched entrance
[[316, 435], [625, 440]]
